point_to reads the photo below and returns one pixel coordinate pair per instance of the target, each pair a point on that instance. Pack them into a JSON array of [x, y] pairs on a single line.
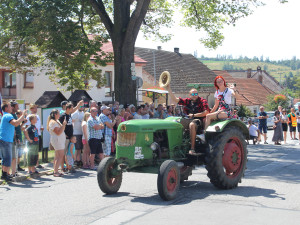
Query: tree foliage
[[276, 100], [244, 111], [54, 33]]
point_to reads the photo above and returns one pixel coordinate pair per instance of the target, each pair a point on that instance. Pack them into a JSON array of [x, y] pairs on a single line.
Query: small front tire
[[108, 182], [168, 180]]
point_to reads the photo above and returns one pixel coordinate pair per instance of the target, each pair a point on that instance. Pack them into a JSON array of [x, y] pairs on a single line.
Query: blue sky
[[272, 31]]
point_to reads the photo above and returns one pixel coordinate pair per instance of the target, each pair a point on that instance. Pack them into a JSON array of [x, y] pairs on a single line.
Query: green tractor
[[161, 147]]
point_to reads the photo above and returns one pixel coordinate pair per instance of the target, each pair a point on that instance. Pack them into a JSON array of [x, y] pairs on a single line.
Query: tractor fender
[[220, 125]]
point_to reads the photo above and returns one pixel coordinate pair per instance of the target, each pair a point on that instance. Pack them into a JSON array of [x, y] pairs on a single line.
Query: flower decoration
[[279, 98]]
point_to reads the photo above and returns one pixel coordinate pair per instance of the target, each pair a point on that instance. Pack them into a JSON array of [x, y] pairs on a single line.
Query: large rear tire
[[227, 158], [168, 180], [109, 180]]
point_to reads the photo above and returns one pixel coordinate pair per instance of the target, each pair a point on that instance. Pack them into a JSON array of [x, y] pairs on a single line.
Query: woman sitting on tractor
[[222, 108]]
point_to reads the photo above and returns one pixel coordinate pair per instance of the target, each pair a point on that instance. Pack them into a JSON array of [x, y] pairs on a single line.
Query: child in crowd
[[71, 154], [253, 132], [32, 136]]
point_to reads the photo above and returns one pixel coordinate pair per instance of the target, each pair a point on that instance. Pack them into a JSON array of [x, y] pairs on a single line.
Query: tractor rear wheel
[[168, 180], [109, 179], [227, 158]]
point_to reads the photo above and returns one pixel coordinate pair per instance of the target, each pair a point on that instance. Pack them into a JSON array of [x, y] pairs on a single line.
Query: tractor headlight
[[154, 146]]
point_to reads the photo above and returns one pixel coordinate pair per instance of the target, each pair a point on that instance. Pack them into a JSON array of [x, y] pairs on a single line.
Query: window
[[28, 79], [107, 76], [9, 79]]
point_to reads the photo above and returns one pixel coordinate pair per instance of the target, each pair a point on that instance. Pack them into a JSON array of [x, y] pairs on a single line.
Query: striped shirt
[[104, 118], [92, 132]]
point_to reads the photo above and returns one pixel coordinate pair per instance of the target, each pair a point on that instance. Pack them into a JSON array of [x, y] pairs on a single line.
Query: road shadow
[[31, 183], [192, 190], [116, 195], [78, 174], [274, 162]]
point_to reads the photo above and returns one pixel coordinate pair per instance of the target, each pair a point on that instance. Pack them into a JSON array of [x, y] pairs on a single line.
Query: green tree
[[36, 32], [272, 104], [244, 111]]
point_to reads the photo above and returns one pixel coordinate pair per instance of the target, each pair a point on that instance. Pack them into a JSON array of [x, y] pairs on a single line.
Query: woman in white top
[[57, 139], [285, 121], [222, 108], [85, 138]]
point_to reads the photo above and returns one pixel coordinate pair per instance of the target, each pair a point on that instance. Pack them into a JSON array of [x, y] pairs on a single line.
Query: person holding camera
[[109, 124], [95, 128], [7, 132]]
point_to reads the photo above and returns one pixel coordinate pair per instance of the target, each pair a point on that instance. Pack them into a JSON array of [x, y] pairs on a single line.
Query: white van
[[270, 120]]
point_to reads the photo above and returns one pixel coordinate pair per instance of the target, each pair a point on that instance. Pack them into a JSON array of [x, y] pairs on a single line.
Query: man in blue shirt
[[160, 113], [262, 123], [7, 131]]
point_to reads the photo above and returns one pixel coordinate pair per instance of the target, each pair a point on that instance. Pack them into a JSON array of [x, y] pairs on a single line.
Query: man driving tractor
[[196, 108]]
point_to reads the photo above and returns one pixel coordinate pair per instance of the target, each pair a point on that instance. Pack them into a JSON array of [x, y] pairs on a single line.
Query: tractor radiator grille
[[126, 139]]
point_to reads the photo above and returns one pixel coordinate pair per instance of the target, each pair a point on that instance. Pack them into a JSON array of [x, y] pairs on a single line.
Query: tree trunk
[[125, 88], [123, 31], [123, 44]]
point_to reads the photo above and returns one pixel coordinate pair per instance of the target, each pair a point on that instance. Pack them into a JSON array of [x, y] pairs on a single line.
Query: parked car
[[270, 120], [296, 106]]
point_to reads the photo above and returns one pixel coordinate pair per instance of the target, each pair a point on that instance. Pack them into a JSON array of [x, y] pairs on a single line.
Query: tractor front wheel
[[109, 179], [168, 180]]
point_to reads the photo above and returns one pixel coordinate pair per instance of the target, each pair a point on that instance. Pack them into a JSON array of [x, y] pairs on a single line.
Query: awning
[[155, 91]]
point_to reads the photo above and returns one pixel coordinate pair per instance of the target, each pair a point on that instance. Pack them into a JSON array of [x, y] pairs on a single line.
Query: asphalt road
[[269, 194]]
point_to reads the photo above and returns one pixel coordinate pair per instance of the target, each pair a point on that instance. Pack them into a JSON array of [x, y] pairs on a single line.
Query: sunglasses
[[94, 110], [194, 94]]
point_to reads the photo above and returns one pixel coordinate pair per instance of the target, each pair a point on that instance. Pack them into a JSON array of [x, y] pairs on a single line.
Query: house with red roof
[[31, 84]]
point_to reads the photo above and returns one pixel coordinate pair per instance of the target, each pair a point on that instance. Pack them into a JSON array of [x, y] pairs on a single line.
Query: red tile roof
[[108, 48], [249, 90]]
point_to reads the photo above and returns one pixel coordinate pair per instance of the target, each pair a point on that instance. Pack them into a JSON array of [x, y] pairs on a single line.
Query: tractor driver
[[196, 107]]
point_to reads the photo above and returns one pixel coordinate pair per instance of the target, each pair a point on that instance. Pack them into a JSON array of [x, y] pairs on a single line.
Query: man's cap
[[13, 103], [104, 107], [63, 103], [131, 106]]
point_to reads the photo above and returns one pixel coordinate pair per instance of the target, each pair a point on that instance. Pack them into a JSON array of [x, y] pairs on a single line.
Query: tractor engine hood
[[149, 125]]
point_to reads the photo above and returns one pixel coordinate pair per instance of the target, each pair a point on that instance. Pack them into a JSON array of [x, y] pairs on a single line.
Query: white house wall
[[42, 83]]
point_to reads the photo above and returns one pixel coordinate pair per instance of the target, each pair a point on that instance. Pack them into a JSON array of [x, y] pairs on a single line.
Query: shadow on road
[[31, 183], [78, 174], [193, 190], [118, 194], [274, 163]]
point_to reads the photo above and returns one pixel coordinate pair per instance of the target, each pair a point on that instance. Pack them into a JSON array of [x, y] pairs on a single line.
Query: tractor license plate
[[138, 153]]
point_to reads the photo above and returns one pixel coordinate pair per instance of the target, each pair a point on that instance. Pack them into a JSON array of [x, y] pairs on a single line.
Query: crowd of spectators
[[283, 122], [84, 134], [80, 135]]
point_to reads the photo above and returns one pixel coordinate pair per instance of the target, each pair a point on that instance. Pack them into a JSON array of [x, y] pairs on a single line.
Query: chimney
[[176, 50], [249, 73], [158, 47]]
